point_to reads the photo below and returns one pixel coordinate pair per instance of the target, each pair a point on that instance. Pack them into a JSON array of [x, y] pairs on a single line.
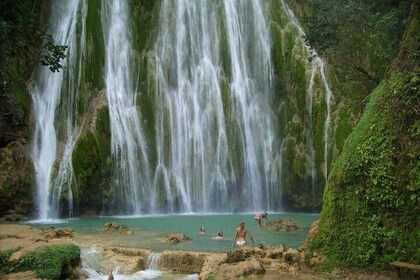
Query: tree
[[52, 54]]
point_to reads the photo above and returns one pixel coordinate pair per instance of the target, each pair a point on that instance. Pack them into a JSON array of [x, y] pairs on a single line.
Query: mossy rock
[[372, 198], [51, 262]]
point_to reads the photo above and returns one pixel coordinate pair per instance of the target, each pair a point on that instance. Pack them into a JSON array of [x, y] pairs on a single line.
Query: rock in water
[[116, 227], [281, 225], [176, 237], [52, 233]]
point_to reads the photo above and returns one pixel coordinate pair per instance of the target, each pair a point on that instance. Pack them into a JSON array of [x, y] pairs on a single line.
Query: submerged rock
[[116, 227], [281, 225], [175, 238]]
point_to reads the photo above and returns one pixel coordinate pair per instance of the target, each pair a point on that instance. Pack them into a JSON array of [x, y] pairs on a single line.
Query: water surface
[[149, 230]]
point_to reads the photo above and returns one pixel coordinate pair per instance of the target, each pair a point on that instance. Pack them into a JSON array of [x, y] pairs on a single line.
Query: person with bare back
[[240, 234], [259, 216]]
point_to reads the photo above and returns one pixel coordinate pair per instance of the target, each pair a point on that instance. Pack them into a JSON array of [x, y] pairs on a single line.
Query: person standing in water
[[240, 235], [260, 216]]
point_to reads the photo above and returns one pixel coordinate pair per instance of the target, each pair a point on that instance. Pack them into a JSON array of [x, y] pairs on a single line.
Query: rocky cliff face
[[372, 198], [15, 178], [18, 53]]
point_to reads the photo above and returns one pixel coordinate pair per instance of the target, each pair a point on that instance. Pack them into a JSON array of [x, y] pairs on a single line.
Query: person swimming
[[240, 235], [219, 236], [202, 231]]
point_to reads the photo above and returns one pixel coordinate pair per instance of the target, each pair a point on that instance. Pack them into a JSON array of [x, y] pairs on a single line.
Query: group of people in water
[[241, 232]]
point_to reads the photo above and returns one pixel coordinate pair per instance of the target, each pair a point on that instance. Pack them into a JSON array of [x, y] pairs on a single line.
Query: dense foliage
[[17, 22], [350, 29], [21, 35], [372, 200], [52, 54]]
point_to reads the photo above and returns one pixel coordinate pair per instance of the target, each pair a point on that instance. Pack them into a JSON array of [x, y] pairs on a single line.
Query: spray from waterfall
[[55, 102]]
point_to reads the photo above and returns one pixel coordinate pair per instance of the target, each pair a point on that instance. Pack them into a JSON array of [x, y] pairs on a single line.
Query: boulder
[[52, 233], [130, 252], [126, 265], [182, 261], [241, 269], [281, 225], [175, 238], [237, 255], [128, 260], [211, 265], [292, 256], [116, 227], [276, 252], [244, 253]]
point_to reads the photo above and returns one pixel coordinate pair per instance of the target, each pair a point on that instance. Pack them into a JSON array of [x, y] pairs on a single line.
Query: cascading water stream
[[214, 123], [128, 146], [153, 261], [215, 146], [317, 68], [56, 128]]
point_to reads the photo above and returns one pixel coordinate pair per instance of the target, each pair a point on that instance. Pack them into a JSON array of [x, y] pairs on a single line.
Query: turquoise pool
[[149, 230]]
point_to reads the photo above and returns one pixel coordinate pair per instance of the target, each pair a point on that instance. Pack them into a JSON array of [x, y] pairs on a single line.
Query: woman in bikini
[[240, 234]]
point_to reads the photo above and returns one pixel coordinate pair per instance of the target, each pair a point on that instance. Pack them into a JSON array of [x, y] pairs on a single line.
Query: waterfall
[[128, 146], [153, 261], [317, 66], [211, 141], [54, 102], [214, 122]]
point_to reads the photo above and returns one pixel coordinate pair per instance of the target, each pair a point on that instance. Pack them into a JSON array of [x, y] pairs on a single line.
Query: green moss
[[344, 127], [91, 162], [371, 196], [95, 57], [51, 262], [5, 266], [144, 17]]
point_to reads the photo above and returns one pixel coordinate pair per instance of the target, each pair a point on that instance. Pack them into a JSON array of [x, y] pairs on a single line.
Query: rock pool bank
[[65, 248]]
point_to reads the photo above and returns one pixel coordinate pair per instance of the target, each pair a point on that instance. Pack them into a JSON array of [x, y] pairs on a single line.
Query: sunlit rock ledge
[[239, 262]]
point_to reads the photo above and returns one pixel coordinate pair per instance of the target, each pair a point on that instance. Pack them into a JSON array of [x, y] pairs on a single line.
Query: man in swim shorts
[[240, 234]]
